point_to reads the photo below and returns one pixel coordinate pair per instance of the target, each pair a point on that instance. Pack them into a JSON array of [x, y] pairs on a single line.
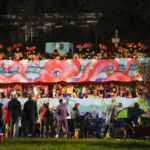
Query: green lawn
[[73, 144]]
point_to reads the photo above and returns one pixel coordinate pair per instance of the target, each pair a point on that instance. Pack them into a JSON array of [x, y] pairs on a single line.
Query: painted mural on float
[[72, 70]]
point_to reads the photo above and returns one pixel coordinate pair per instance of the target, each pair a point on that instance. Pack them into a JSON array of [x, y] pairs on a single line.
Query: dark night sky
[[130, 17]]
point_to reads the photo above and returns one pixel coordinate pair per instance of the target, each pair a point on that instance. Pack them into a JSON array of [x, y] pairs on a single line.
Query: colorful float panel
[[72, 70]]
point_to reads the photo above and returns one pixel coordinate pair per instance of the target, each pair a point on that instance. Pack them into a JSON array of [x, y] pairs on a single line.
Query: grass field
[[73, 144]]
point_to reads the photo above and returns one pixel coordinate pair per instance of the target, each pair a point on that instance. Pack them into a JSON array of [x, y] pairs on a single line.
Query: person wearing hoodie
[[75, 113]]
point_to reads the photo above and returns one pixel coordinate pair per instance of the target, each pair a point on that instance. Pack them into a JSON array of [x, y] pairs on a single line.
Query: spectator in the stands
[[17, 54], [9, 53], [2, 53], [55, 54]]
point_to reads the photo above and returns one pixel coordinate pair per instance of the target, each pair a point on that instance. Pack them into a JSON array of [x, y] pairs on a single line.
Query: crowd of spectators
[[100, 51], [56, 55], [19, 51], [29, 120], [77, 91], [99, 90]]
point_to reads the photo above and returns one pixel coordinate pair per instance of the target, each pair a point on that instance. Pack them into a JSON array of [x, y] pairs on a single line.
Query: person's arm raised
[[67, 100]]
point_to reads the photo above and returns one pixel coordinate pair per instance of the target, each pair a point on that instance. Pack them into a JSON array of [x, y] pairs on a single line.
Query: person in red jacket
[[7, 120]]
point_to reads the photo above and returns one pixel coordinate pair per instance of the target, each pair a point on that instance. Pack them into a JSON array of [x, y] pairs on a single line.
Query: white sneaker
[[65, 136], [57, 136], [29, 135]]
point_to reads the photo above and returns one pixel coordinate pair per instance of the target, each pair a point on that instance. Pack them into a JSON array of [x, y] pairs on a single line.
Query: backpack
[[47, 114]]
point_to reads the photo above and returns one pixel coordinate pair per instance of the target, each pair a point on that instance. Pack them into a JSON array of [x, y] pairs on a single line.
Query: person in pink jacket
[[61, 115]]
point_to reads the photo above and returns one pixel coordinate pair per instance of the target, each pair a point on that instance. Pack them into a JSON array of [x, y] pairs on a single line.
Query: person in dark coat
[[24, 124], [30, 111], [1, 117], [14, 106]]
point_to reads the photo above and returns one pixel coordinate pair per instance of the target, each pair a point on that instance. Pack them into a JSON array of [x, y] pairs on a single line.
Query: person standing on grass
[[42, 111], [75, 115], [7, 120], [1, 118], [61, 115], [110, 114], [30, 111], [47, 120], [14, 106]]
